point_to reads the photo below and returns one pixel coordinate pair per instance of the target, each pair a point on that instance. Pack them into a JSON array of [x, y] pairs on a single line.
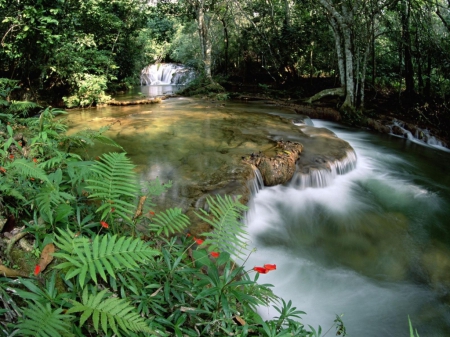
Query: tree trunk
[[339, 53], [205, 40], [406, 39]]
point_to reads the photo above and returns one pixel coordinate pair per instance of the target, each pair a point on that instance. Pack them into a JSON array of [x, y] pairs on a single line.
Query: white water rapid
[[369, 241], [166, 74]]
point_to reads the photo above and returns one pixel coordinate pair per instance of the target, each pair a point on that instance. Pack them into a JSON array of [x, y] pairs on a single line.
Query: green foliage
[[224, 217], [114, 185], [100, 256], [412, 332], [90, 89], [42, 320], [170, 222], [109, 313]]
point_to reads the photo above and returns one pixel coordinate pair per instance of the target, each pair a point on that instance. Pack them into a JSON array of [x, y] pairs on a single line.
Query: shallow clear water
[[372, 245]]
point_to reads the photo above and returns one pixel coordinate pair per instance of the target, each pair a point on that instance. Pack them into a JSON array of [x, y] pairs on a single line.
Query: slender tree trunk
[[406, 39], [225, 34], [205, 40], [339, 53]]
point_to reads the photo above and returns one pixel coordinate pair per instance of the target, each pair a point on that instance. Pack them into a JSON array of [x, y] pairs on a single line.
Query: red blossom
[[260, 270], [215, 254], [104, 224], [151, 212], [270, 266], [2, 169], [188, 234], [34, 160], [199, 241], [37, 270], [11, 156]]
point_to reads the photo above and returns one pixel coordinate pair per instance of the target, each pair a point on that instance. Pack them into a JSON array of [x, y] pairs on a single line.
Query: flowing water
[[372, 244], [368, 239]]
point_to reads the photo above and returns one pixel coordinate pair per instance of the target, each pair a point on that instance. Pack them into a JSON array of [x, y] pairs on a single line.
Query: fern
[[103, 255], [228, 234], [22, 107], [170, 221], [29, 169], [41, 321], [109, 313], [50, 197], [7, 189], [115, 182]]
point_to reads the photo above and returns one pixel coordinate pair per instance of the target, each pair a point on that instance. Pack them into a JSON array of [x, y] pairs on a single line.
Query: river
[[372, 244]]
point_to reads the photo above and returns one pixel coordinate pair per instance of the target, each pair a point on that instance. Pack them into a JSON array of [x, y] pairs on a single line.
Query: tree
[[353, 26]]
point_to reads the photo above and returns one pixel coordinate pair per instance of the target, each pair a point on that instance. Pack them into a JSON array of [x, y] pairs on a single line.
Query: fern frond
[[109, 313], [41, 321], [49, 198], [22, 107], [107, 141], [170, 221], [115, 183], [29, 169], [103, 255], [6, 189], [228, 233]]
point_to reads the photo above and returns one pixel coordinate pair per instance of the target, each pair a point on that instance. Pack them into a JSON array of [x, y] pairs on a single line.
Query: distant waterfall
[[416, 134], [166, 74]]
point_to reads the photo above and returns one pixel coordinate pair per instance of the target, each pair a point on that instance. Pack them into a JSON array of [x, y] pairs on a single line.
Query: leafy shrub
[[89, 90]]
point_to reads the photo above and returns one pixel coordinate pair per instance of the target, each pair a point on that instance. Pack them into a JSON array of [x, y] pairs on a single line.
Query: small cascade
[[166, 74], [324, 176], [415, 134], [257, 184]]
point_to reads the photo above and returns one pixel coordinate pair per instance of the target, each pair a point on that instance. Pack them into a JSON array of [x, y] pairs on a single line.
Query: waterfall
[[322, 177], [416, 134], [166, 74]]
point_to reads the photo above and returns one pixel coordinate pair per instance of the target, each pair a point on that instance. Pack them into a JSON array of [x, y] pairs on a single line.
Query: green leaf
[[102, 255]]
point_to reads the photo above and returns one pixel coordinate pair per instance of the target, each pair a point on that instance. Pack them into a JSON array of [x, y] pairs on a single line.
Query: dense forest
[[86, 217], [362, 49]]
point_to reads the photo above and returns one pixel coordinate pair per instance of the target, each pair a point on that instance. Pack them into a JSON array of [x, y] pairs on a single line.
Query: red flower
[[37, 270], [270, 266], [188, 234], [260, 270], [151, 212], [104, 224], [199, 241], [215, 254], [11, 156], [2, 169], [35, 160]]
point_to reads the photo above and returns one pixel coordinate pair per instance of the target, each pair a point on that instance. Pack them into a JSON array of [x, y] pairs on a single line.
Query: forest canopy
[[65, 48]]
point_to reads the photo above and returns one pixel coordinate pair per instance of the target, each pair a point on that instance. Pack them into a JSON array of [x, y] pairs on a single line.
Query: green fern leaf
[[109, 313], [29, 169], [101, 256], [228, 233], [106, 140], [49, 198], [115, 184], [6, 189], [22, 107], [41, 321], [170, 221]]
